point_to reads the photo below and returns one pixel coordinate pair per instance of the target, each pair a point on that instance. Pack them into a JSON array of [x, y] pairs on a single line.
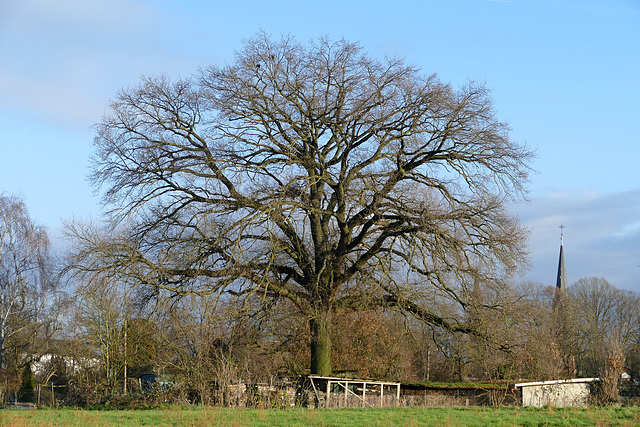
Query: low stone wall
[[263, 396], [459, 396], [290, 395]]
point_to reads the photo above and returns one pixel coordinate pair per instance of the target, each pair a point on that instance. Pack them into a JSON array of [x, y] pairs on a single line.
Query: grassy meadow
[[199, 416]]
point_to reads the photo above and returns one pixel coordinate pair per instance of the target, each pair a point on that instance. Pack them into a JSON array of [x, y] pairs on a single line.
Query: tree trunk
[[321, 342], [1, 349]]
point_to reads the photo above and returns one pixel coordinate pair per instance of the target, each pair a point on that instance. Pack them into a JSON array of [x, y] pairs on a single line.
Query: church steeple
[[561, 280]]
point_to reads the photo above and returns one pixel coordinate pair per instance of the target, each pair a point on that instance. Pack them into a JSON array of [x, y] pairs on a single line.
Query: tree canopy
[[310, 172]]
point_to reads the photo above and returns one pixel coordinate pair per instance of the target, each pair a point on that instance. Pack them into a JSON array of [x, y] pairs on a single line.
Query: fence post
[[364, 394], [326, 403], [346, 394]]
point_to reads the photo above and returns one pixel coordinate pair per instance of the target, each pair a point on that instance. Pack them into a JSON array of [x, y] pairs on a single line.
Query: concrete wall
[[558, 395]]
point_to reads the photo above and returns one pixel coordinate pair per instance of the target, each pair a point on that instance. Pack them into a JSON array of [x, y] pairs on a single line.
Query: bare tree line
[[198, 347], [304, 209]]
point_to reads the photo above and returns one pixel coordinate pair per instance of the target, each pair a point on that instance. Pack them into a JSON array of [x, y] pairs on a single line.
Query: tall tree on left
[[26, 287]]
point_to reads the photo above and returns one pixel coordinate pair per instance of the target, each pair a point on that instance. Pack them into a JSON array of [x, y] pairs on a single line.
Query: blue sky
[[564, 74]]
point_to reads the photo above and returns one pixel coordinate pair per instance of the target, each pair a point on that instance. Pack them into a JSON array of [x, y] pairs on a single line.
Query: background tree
[[607, 329], [312, 173], [142, 346], [206, 346], [544, 345], [26, 290], [103, 310], [372, 344]]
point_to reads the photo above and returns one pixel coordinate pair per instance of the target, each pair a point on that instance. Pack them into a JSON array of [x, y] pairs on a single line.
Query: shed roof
[[568, 381]]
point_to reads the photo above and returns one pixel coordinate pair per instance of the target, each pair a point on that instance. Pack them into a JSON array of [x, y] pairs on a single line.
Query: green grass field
[[181, 416]]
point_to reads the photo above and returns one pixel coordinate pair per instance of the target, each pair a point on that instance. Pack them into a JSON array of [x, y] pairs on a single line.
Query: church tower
[[561, 280], [562, 315]]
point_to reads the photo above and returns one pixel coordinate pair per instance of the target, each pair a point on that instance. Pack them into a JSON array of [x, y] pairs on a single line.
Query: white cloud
[[601, 238], [63, 60]]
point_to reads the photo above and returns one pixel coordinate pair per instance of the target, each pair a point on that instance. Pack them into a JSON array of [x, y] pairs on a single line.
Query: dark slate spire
[[561, 281]]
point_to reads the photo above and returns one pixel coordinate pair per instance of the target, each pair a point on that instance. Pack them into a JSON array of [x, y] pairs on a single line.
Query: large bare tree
[[310, 172]]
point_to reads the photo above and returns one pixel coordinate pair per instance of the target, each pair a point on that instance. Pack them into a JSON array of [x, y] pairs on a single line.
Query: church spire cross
[[561, 278]]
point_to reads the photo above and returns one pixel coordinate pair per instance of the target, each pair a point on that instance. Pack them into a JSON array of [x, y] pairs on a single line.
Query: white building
[[558, 393]]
